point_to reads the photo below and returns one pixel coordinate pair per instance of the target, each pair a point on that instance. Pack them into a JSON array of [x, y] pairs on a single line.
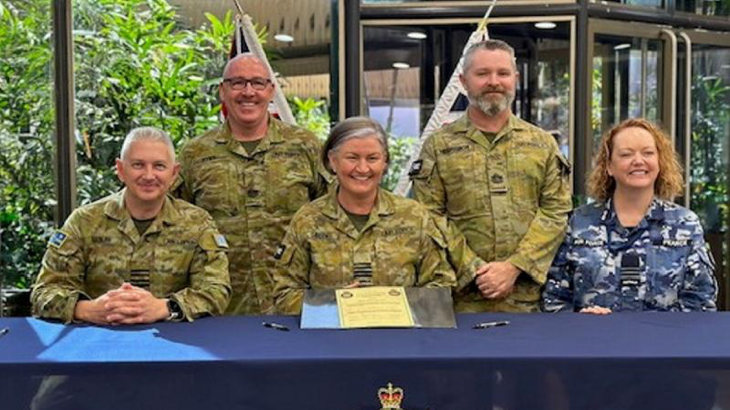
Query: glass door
[[632, 66], [704, 126]]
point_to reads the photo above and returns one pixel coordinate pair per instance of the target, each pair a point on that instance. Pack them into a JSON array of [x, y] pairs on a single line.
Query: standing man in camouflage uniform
[[501, 182], [137, 256], [252, 174]]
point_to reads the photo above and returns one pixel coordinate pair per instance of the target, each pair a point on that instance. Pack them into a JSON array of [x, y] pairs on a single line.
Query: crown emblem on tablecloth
[[391, 397]]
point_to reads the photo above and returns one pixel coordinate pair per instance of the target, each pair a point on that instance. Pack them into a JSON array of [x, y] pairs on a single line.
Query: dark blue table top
[[650, 336]]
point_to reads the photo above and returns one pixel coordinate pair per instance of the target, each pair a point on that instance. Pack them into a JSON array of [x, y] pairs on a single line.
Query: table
[[539, 361]]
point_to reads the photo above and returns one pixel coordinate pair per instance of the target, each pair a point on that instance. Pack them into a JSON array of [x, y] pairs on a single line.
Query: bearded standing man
[[501, 183], [252, 174]]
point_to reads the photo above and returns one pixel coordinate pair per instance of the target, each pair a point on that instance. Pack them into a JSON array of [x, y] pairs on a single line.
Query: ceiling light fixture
[[284, 38]]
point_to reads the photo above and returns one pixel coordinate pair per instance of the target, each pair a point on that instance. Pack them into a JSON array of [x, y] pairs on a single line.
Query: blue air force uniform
[[662, 264]]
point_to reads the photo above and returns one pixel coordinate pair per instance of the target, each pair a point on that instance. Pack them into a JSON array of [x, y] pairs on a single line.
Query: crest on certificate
[[390, 398]]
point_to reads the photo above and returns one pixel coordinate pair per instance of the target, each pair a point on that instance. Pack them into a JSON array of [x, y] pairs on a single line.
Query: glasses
[[240, 83]]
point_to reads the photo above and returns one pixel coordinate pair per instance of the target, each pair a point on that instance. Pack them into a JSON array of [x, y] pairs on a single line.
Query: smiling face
[[147, 169], [247, 107], [634, 161], [359, 164], [490, 81]]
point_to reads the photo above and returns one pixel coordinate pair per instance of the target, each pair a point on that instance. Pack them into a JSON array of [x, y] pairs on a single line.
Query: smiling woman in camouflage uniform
[[633, 249], [359, 234]]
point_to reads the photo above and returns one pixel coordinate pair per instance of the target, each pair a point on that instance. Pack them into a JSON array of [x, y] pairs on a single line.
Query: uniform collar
[[654, 213], [274, 135], [474, 134], [115, 209], [384, 206]]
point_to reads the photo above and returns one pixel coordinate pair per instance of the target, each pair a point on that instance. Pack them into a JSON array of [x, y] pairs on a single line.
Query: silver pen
[[487, 325]]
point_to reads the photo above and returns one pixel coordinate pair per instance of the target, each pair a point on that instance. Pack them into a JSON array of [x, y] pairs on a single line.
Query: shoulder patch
[[415, 167], [280, 252], [220, 240], [57, 239]]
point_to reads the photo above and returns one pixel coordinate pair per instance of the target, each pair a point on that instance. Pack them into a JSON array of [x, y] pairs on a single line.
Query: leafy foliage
[[135, 64]]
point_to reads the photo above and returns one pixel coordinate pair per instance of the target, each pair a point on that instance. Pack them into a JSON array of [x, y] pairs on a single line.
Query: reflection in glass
[[710, 148], [625, 78], [705, 7]]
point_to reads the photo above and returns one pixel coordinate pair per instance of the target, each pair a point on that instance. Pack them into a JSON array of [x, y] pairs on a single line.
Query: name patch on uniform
[[675, 243], [57, 239], [279, 252], [451, 150], [587, 242], [220, 240], [286, 154], [398, 231], [416, 167]]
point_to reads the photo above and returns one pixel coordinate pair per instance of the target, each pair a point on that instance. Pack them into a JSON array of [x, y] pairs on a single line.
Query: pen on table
[[272, 325], [4, 331], [487, 325]]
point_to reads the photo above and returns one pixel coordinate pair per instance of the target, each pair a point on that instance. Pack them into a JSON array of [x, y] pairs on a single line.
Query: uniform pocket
[[216, 186], [465, 181]]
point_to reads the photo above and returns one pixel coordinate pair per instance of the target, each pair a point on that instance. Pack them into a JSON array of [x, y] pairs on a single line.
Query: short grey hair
[[147, 134], [353, 127], [242, 56], [489, 45]]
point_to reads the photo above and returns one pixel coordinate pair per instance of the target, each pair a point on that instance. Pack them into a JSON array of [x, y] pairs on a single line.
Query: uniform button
[[497, 179], [252, 193]]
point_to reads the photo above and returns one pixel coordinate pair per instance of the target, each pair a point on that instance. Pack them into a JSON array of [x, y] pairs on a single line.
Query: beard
[[491, 106]]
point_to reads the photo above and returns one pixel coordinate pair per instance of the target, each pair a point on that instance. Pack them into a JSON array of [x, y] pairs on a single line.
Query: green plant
[[312, 115], [400, 153], [708, 173], [135, 64], [26, 150]]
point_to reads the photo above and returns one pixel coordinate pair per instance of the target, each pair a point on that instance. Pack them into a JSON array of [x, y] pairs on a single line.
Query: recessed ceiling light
[[622, 46], [284, 38], [417, 35], [545, 25], [401, 65]]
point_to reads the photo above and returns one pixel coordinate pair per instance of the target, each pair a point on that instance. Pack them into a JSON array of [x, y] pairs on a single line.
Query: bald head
[[244, 60]]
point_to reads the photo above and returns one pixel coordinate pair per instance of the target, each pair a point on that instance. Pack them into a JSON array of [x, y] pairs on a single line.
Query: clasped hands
[[125, 305], [496, 280]]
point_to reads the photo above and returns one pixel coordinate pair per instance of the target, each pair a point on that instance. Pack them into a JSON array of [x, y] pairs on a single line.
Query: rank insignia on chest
[[279, 252], [57, 239], [220, 240], [416, 167]]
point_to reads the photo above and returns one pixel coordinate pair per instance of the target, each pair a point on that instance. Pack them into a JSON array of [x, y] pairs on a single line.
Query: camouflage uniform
[[181, 256], [509, 198], [675, 269], [400, 245], [252, 199]]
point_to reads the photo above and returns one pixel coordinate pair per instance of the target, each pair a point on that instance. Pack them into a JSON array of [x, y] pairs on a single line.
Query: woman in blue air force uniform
[[633, 249]]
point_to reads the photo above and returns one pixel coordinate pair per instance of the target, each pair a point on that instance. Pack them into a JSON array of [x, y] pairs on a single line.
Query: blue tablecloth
[[620, 361]]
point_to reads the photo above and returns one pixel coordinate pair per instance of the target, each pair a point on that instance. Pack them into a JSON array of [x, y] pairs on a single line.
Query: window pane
[[27, 196], [710, 149]]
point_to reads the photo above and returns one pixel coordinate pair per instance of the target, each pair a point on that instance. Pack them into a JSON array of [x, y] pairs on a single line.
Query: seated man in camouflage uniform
[[502, 183], [633, 249], [360, 234], [137, 256], [252, 174]]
